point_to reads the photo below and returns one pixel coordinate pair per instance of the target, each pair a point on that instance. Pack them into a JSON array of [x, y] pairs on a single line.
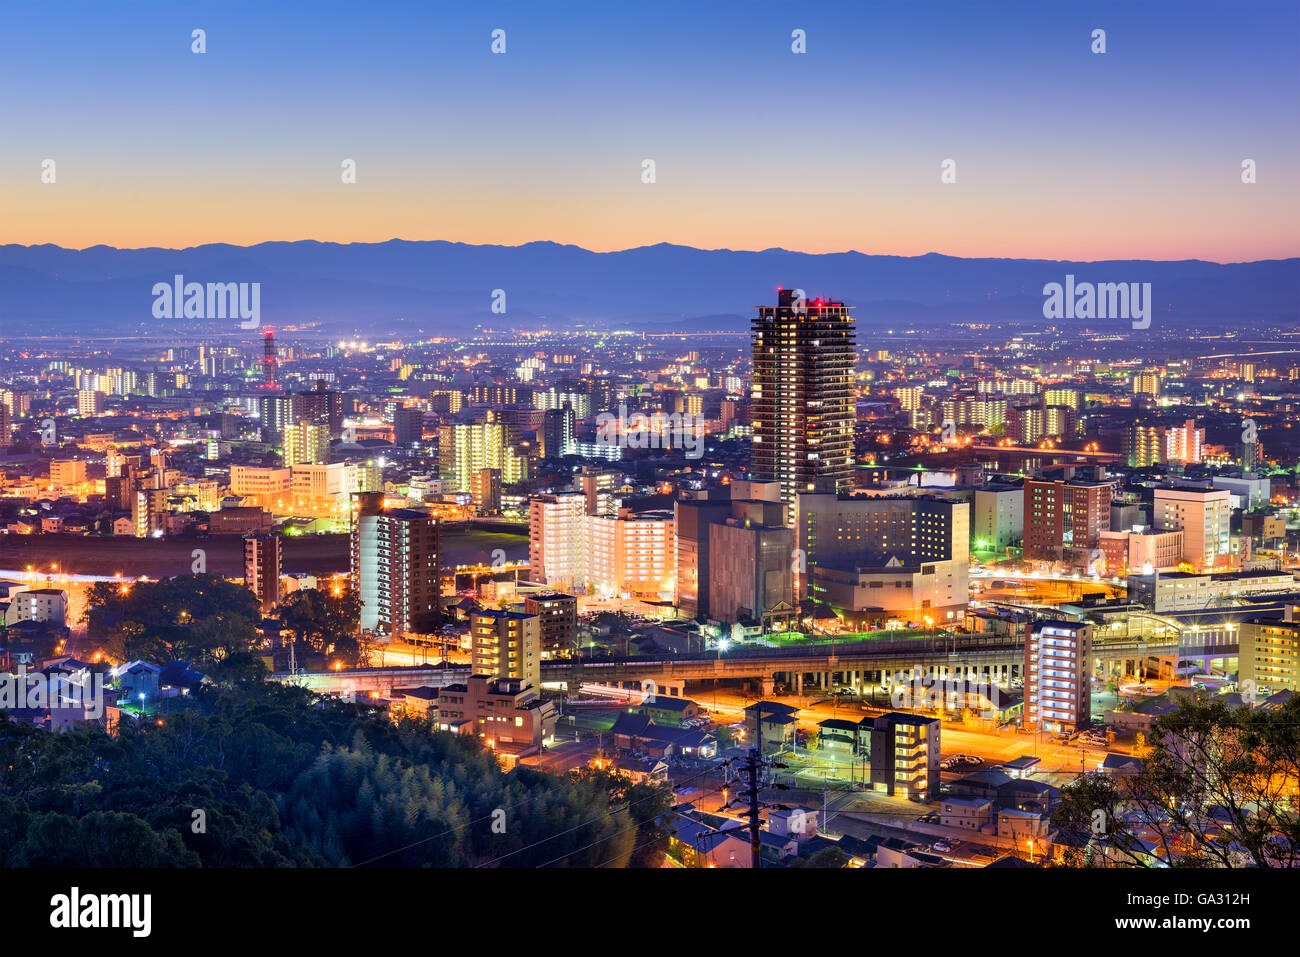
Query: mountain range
[[413, 289]]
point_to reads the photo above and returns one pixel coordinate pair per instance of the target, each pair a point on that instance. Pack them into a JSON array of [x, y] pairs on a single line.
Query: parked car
[[941, 847]]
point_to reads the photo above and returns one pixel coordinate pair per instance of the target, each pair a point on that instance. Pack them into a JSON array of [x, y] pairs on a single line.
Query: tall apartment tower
[[1058, 684], [485, 490], [408, 426], [802, 409], [1270, 653], [270, 361], [262, 568], [307, 443], [395, 567]]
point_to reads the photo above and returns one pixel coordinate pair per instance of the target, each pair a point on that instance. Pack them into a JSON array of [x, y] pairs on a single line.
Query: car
[[941, 846]]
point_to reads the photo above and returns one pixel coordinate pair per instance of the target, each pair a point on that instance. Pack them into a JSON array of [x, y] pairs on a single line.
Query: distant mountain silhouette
[[412, 288]]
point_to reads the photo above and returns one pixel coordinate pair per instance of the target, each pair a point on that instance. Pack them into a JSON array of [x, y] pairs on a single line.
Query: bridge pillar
[[798, 684], [769, 685]]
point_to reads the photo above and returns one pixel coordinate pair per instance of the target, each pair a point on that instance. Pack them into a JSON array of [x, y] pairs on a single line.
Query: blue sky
[[1060, 152]]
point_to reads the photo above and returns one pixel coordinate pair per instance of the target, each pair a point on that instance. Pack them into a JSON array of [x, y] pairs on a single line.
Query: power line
[[594, 820], [449, 830]]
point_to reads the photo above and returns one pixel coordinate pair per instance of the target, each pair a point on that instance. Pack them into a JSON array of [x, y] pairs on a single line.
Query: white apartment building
[[1058, 691], [557, 540], [38, 604], [998, 517], [632, 555]]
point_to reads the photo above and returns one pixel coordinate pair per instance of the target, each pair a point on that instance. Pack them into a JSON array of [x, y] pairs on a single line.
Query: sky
[[1059, 152]]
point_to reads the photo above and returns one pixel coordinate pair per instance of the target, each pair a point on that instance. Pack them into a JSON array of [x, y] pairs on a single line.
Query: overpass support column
[[769, 685], [798, 683]]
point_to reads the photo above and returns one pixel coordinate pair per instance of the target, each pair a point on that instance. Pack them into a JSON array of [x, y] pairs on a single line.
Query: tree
[[285, 777], [1215, 790], [100, 839], [323, 622], [203, 619], [826, 857]]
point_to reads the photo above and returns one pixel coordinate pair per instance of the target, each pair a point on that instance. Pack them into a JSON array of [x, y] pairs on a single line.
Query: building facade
[[1058, 687], [802, 401], [395, 567]]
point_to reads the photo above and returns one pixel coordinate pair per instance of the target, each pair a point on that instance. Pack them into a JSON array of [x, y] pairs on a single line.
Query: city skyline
[[855, 437]]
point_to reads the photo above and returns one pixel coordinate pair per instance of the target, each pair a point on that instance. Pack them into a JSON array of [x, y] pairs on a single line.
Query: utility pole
[[753, 765]]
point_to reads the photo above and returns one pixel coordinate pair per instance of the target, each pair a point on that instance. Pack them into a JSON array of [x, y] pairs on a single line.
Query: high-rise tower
[[803, 395], [396, 567], [269, 361]]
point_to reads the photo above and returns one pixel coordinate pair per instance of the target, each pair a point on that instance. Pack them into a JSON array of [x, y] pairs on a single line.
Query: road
[[993, 747]]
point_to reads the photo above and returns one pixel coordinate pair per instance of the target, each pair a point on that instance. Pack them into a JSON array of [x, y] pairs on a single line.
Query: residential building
[[905, 754], [557, 529], [395, 567], [466, 447], [1064, 520], [631, 555], [997, 517], [66, 473], [558, 616], [263, 566], [1270, 654], [1057, 685], [485, 491], [507, 644], [38, 604], [306, 443], [507, 714], [802, 400]]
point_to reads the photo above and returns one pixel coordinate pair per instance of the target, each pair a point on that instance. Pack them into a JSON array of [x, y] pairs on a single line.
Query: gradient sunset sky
[[1061, 153]]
